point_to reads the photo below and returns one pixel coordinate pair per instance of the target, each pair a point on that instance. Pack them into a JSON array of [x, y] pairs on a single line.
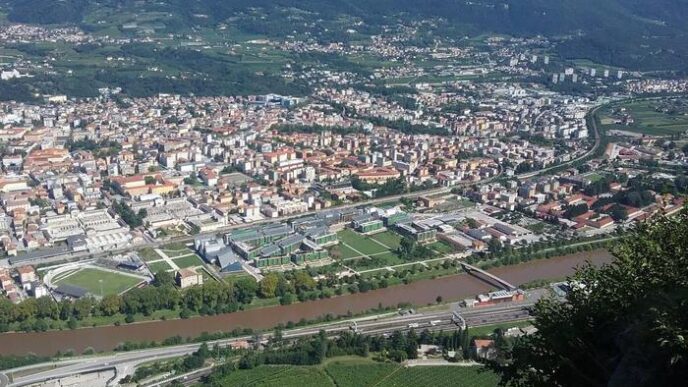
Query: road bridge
[[470, 269]]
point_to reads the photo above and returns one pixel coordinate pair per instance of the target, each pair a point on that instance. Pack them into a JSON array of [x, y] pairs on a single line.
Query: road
[[598, 141], [433, 321], [432, 191]]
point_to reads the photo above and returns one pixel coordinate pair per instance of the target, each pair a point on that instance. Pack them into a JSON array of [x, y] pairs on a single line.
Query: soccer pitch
[[92, 279]]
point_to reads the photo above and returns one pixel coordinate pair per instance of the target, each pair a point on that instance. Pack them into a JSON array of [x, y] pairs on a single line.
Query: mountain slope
[[643, 34]]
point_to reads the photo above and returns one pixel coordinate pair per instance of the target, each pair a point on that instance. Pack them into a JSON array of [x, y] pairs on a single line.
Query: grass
[[159, 266], [90, 279], [361, 372], [177, 253], [189, 261], [362, 243], [206, 276], [389, 239], [175, 246], [344, 252], [647, 119], [148, 254], [487, 330], [441, 247]]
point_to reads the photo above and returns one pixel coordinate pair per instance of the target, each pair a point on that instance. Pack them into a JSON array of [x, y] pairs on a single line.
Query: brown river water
[[419, 293]]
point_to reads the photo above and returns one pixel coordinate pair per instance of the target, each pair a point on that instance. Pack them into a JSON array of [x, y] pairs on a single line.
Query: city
[[222, 201]]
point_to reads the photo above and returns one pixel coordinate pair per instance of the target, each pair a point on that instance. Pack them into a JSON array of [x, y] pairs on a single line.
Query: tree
[[268, 286], [618, 213], [406, 247], [623, 324], [164, 278], [150, 180], [303, 281], [111, 304], [576, 210]]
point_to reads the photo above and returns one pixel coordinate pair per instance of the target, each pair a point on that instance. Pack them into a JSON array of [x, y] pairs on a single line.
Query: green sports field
[[90, 279]]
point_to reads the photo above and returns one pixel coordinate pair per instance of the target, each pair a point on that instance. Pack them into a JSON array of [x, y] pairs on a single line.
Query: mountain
[[639, 34]]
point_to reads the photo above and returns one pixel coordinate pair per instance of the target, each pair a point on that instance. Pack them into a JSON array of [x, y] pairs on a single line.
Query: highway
[[127, 361], [432, 321]]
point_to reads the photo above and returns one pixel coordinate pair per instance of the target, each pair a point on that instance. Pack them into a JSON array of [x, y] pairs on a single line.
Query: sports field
[[91, 279]]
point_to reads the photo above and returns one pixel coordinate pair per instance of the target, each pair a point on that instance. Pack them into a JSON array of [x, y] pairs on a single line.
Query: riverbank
[[420, 293]]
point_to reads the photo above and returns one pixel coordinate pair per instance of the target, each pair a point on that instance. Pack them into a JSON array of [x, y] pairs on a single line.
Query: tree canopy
[[624, 324]]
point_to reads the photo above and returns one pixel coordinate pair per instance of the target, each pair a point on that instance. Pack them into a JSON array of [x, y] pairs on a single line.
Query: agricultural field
[[439, 376], [92, 279], [284, 376], [361, 373], [356, 374], [653, 117]]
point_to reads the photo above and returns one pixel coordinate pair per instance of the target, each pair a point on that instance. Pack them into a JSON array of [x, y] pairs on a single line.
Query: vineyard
[[283, 376], [361, 373]]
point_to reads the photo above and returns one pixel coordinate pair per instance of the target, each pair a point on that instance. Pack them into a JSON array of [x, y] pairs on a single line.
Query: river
[[419, 293]]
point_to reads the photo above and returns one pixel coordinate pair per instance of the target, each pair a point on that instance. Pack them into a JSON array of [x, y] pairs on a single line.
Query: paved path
[[358, 251], [167, 259]]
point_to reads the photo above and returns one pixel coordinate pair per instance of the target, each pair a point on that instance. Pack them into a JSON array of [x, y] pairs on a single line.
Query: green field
[[344, 252], [173, 253], [388, 238], [189, 261], [441, 247], [647, 118], [90, 279], [148, 254], [440, 376], [362, 243], [355, 374], [361, 373], [278, 376], [159, 266]]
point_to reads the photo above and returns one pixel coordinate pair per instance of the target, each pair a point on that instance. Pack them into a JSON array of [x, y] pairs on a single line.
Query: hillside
[[637, 34]]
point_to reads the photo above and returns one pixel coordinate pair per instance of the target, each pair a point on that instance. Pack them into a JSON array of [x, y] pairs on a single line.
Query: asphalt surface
[[434, 321]]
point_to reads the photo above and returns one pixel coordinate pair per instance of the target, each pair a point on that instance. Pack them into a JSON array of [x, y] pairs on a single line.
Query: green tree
[[624, 324], [303, 280], [111, 304], [406, 247], [268, 286]]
